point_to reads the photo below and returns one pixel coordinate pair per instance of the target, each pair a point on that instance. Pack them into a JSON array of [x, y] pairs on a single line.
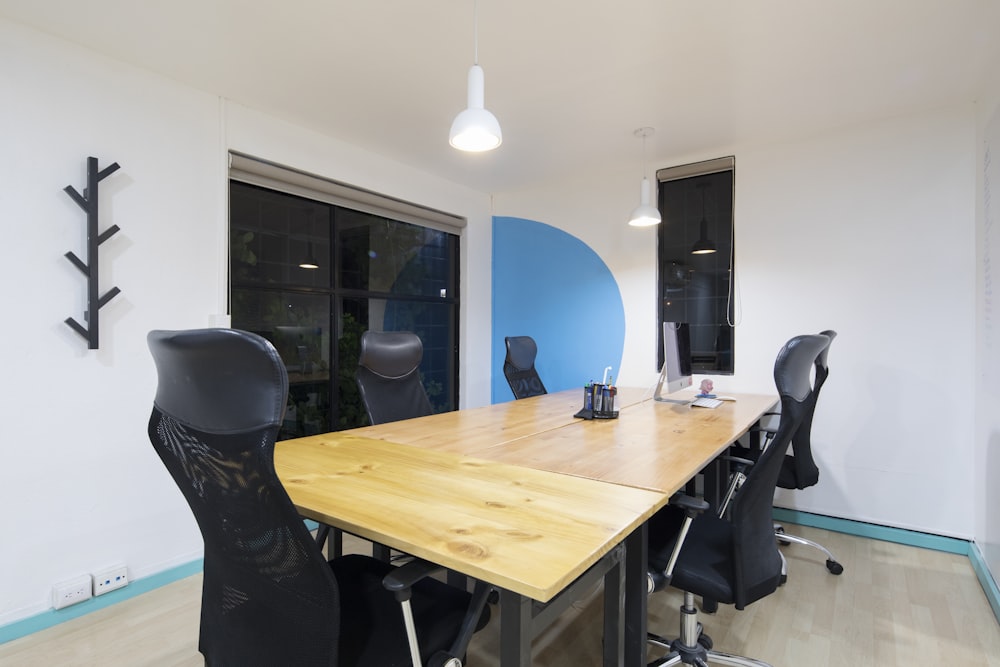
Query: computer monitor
[[675, 374]]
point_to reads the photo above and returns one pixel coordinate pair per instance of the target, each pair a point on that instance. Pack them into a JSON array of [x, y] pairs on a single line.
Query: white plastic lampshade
[[475, 129], [644, 215]]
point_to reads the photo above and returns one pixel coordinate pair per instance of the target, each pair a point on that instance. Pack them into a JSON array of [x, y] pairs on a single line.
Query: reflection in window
[[370, 272]]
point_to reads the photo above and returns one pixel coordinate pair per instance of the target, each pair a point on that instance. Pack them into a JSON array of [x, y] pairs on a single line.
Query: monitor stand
[[675, 401]]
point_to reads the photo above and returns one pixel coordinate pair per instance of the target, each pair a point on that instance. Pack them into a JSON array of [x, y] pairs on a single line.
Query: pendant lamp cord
[[644, 155], [475, 33]]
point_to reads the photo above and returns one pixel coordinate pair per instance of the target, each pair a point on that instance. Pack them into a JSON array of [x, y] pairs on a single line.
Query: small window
[[695, 260]]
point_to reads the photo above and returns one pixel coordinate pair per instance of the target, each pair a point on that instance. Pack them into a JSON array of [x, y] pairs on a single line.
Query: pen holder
[[598, 402]]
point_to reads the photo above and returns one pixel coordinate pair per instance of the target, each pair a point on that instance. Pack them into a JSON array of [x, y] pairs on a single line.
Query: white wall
[[81, 485], [869, 231]]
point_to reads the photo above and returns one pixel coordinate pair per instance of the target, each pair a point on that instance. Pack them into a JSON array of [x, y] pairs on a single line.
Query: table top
[[652, 445], [529, 531], [473, 430], [520, 494]]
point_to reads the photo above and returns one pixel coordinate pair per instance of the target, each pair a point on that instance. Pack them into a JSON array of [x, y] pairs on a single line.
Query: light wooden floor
[[894, 605]]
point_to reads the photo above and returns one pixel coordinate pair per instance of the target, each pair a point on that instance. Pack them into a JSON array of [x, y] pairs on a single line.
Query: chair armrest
[[760, 431], [692, 507], [689, 504], [401, 580], [736, 479]]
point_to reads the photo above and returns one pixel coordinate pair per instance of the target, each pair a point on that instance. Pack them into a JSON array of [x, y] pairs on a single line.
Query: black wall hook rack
[[88, 202]]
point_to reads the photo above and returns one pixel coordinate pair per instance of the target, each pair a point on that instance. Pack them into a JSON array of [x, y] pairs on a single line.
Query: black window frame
[[427, 304], [697, 204]]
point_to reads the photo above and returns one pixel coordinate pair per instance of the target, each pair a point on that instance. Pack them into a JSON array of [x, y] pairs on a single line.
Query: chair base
[[784, 538], [694, 647], [706, 658]]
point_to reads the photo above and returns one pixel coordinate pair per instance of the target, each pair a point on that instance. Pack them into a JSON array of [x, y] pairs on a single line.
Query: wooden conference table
[[521, 495]]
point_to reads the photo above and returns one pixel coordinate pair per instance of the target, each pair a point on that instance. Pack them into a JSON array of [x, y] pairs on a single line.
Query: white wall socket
[[70, 592], [110, 579]]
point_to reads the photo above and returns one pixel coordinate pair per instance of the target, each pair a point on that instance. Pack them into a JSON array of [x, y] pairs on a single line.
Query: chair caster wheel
[[442, 659], [834, 567], [778, 532], [783, 580], [706, 642]]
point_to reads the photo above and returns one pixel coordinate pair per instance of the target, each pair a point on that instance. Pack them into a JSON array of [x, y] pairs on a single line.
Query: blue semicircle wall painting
[[551, 286]]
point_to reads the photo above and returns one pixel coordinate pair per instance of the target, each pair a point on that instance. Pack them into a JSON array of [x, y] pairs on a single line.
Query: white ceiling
[[569, 81]]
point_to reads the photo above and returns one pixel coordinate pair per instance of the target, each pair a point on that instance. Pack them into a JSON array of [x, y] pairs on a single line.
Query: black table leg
[[614, 605], [515, 629], [636, 564]]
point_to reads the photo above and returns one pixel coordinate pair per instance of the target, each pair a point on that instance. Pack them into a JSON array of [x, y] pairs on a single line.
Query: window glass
[[381, 255], [311, 276], [695, 263]]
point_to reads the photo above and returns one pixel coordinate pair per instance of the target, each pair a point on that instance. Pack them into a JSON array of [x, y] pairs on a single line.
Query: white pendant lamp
[[476, 129], [645, 214]]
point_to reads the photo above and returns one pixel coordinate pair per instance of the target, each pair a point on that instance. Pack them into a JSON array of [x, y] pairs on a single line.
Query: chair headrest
[[521, 351], [795, 359], [390, 354], [218, 380]]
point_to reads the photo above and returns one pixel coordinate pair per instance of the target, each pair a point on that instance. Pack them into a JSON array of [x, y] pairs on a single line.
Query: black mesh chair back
[[519, 367], [269, 597], [757, 563], [219, 402], [388, 376], [736, 560], [799, 470]]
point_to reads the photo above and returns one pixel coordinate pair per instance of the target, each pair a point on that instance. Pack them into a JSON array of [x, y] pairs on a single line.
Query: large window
[[311, 276], [695, 253]]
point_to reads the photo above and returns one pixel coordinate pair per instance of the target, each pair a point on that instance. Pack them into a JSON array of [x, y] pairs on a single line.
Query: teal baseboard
[[986, 579], [911, 538], [53, 617], [56, 616]]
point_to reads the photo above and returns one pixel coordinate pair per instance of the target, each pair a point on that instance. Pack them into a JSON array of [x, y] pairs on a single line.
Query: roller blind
[[696, 169], [274, 176]]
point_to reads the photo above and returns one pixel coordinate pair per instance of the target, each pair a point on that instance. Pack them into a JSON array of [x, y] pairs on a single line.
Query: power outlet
[[70, 592], [110, 579]]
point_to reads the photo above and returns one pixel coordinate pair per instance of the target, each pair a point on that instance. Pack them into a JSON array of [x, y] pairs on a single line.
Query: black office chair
[[388, 376], [732, 560], [268, 595], [799, 469], [519, 367]]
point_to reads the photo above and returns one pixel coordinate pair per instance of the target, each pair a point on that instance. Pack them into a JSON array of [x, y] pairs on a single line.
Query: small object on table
[[705, 389]]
